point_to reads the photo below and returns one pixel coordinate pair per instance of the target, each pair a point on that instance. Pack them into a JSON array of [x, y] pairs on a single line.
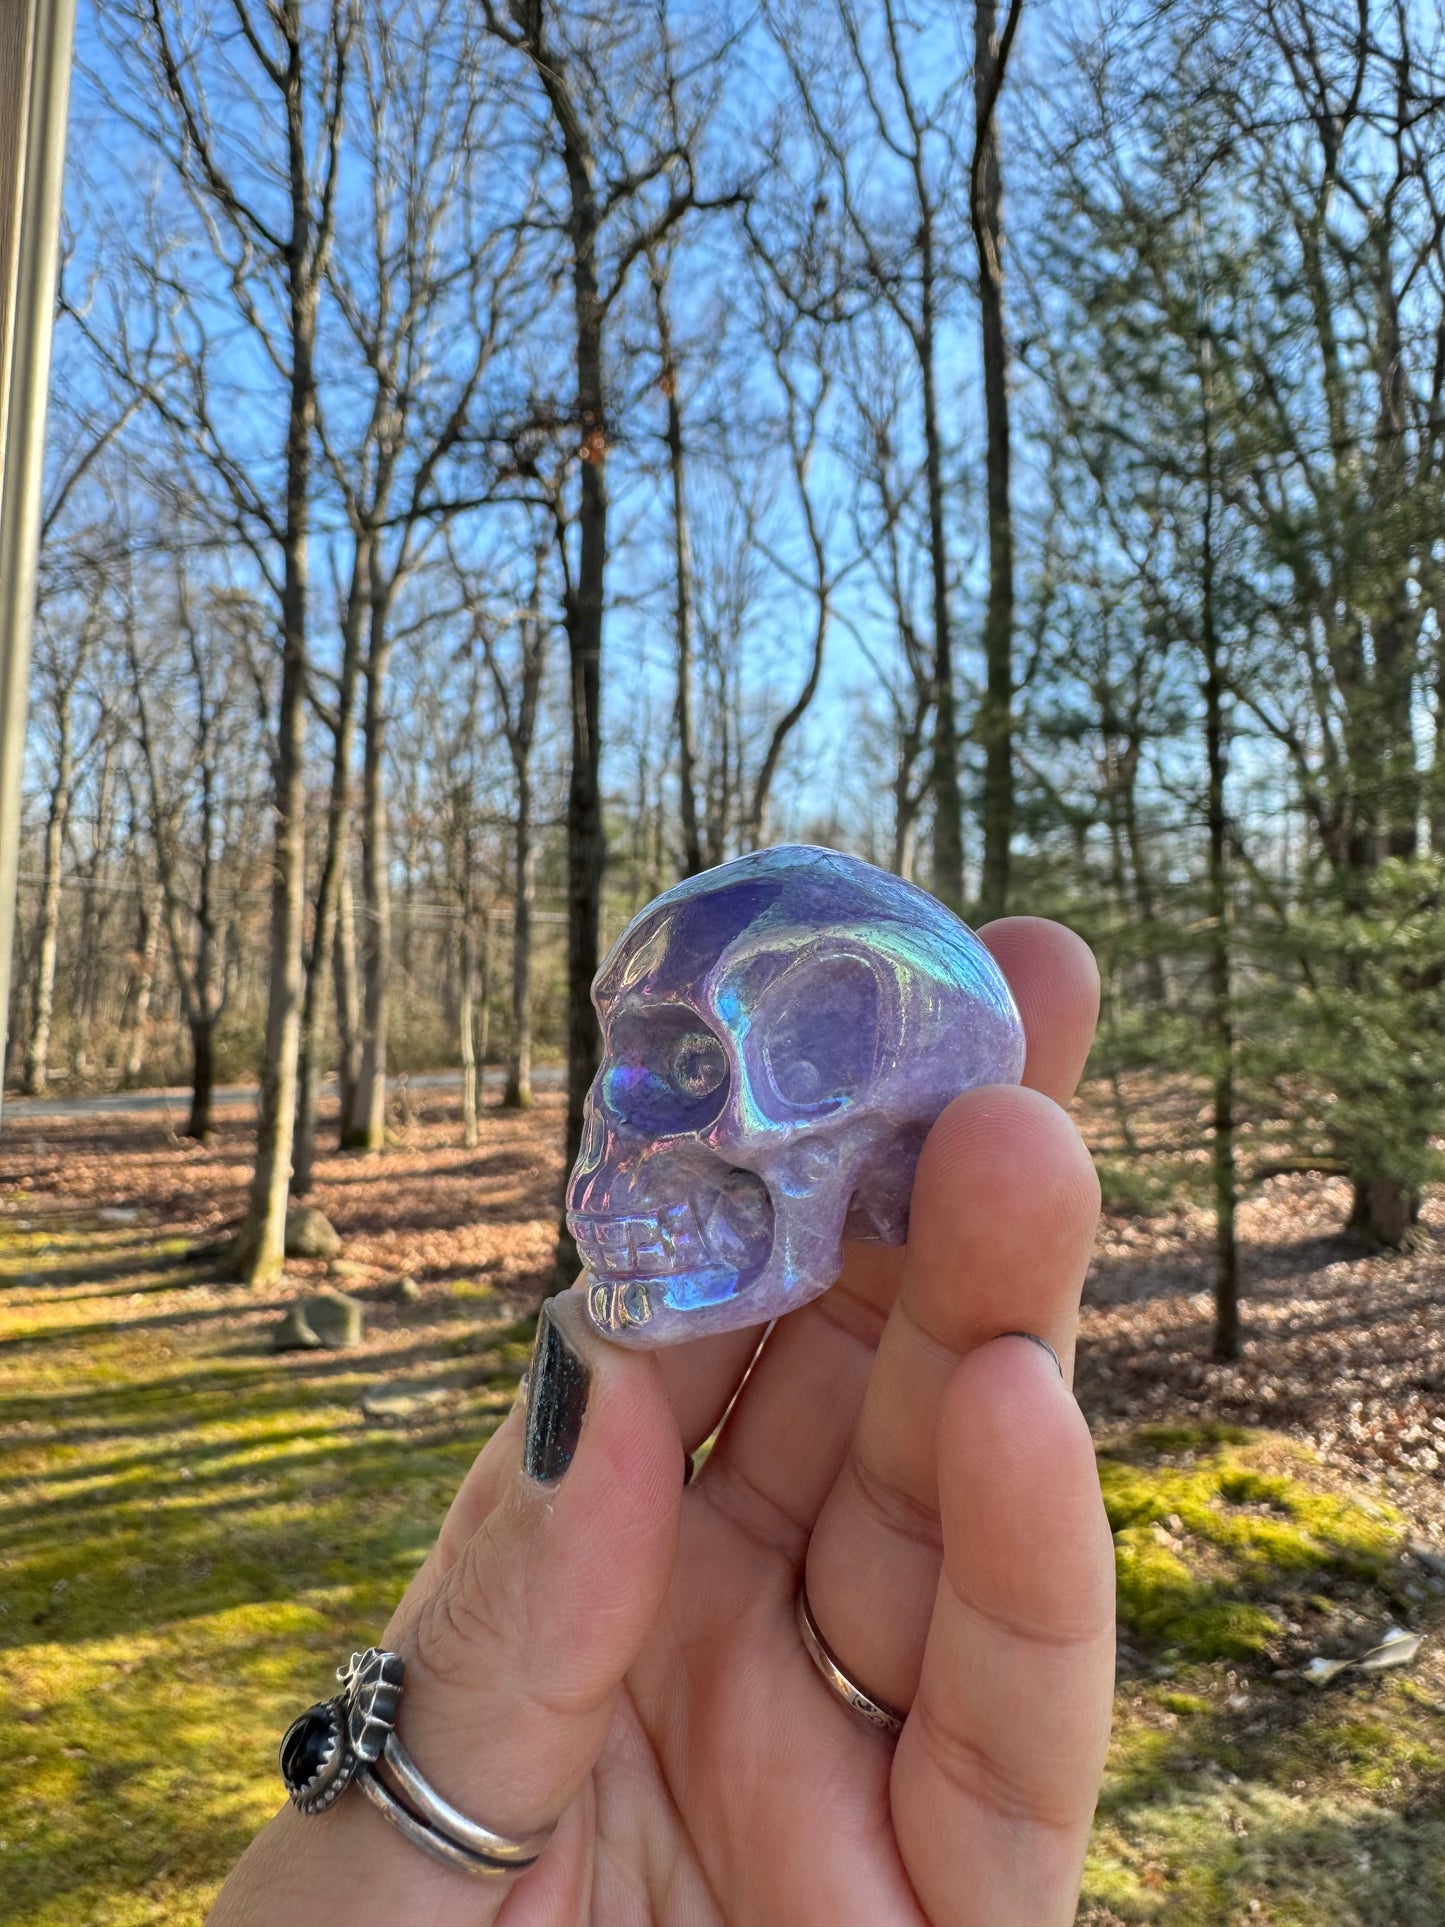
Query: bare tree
[[513, 641], [264, 189], [670, 381], [876, 115], [985, 201], [197, 739], [626, 128], [430, 291], [63, 653], [801, 352]]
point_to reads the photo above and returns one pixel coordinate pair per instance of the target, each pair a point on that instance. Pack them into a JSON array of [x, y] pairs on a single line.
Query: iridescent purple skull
[[779, 1034]]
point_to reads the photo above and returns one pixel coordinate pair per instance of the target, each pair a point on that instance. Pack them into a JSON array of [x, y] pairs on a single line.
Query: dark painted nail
[[1043, 1345], [556, 1403]]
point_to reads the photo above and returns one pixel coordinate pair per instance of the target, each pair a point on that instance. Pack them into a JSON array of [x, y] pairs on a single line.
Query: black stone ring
[[348, 1738]]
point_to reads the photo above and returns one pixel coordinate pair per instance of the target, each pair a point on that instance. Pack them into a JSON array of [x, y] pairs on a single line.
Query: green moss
[[470, 1291], [1201, 1544], [1188, 1438], [1214, 1855], [1183, 1703], [189, 1534], [1223, 1806], [191, 1530]]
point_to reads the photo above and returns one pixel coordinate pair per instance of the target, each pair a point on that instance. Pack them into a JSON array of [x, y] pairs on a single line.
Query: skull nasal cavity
[[665, 1073], [820, 1032]]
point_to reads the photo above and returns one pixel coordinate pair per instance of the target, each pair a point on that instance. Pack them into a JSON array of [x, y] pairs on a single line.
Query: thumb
[[516, 1647]]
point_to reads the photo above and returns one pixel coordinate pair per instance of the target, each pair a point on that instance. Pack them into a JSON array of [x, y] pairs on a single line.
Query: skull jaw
[[804, 1258], [670, 1248]]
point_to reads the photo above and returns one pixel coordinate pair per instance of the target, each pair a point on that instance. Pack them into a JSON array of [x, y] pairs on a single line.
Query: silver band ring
[[826, 1661], [502, 1850], [430, 1839]]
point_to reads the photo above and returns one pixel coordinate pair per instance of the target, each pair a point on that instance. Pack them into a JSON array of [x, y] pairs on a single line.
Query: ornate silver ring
[[353, 1737], [826, 1661]]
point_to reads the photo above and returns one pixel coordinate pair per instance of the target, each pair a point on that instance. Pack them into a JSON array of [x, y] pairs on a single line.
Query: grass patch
[[192, 1530], [1235, 1793], [1203, 1537]]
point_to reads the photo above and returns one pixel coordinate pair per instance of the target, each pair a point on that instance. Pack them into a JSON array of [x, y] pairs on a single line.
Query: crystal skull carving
[[779, 1034]]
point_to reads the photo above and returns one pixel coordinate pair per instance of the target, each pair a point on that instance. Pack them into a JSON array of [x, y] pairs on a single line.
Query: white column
[[36, 37]]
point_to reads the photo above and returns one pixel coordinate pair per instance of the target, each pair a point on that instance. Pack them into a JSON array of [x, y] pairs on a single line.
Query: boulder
[[310, 1234], [294, 1334], [335, 1319], [348, 1269]]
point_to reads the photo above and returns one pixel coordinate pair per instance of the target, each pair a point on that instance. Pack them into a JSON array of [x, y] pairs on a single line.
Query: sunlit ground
[[193, 1528]]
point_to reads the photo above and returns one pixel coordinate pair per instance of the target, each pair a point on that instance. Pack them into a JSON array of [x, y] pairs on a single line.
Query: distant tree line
[[503, 448]]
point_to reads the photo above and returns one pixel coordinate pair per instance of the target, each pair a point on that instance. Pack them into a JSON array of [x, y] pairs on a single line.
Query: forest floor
[[192, 1526]]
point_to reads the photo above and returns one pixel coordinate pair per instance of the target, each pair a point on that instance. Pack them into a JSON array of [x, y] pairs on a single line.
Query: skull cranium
[[779, 1034]]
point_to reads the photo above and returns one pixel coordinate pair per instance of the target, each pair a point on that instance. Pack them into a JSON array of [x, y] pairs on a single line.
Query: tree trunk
[[466, 1024], [200, 1124], [996, 718], [348, 1019], [682, 574], [261, 1245], [1156, 977], [37, 1054], [308, 1070], [328, 892], [484, 996], [518, 1095], [586, 836], [366, 1127], [1221, 1012], [943, 777], [1384, 1210], [149, 949], [261, 1250]]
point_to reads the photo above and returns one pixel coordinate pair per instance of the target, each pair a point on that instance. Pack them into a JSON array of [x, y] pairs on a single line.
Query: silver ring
[[500, 1849], [826, 1661], [431, 1839], [348, 1740]]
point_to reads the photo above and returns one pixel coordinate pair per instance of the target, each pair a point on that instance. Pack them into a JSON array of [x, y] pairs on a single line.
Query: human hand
[[602, 1645]]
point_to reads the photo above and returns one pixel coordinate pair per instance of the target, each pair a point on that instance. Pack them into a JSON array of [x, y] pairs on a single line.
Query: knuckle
[[467, 1620], [981, 1776], [903, 1513]]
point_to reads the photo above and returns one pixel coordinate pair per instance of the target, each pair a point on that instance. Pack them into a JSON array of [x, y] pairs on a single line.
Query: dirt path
[[175, 1099]]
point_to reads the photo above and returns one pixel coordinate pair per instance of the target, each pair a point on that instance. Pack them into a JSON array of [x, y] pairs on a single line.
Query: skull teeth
[[616, 1307], [641, 1245]]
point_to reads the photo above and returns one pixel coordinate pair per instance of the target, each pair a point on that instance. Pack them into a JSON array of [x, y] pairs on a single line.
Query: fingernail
[[556, 1403], [1042, 1343]]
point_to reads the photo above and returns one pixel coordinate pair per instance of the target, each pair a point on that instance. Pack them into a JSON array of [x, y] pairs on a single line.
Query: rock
[[407, 1291], [335, 1319], [310, 1234], [395, 1401], [294, 1334], [346, 1268]]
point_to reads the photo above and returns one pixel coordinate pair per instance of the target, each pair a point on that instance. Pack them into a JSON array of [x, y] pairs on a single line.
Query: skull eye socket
[[821, 1030], [666, 1073], [698, 1064]]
